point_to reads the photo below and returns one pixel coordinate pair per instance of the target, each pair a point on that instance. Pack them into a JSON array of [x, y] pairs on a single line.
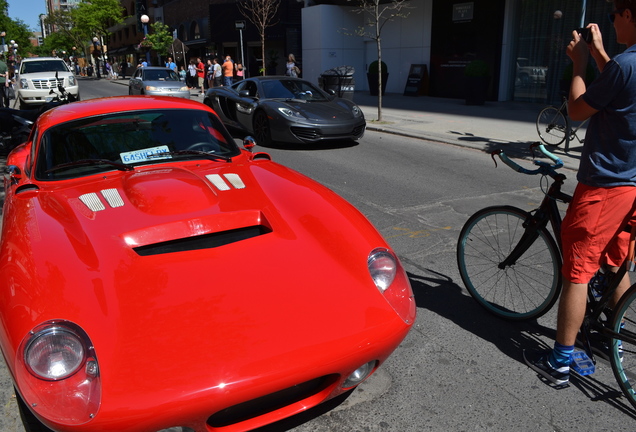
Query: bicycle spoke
[[623, 351], [521, 290]]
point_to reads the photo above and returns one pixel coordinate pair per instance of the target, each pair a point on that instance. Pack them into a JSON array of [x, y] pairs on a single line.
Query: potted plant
[[372, 77], [272, 63], [477, 75]]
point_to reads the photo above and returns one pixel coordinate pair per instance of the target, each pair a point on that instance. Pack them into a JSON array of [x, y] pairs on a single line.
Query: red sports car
[[154, 276]]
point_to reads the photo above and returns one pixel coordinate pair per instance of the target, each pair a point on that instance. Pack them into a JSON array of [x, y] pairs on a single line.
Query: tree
[[93, 18], [67, 34], [160, 38], [15, 30], [261, 13], [376, 15]]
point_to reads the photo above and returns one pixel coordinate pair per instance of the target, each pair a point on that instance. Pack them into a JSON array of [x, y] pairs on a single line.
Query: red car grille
[[265, 404]]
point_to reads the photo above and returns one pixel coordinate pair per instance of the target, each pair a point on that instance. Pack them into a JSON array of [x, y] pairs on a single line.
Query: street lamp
[[145, 19], [15, 50], [96, 55]]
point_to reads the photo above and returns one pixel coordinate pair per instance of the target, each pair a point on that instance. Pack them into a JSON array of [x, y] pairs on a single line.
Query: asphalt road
[[459, 368]]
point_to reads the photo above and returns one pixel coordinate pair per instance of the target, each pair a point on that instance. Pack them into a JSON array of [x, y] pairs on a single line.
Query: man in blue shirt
[[170, 64], [604, 198]]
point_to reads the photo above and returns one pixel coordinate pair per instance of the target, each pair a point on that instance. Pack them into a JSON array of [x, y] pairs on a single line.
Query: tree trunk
[[263, 51]]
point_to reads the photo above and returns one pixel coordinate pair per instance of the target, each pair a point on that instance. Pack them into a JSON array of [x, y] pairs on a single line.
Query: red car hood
[[197, 278]]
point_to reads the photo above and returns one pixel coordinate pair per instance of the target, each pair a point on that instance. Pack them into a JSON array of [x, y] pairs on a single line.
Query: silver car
[[157, 81]]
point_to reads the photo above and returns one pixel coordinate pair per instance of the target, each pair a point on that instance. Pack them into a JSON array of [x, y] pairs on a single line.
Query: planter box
[[372, 78]]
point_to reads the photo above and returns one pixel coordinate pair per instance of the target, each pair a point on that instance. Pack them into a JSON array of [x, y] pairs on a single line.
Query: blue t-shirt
[[609, 154]]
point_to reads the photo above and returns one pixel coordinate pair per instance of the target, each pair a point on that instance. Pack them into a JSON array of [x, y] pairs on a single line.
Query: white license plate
[[145, 155]]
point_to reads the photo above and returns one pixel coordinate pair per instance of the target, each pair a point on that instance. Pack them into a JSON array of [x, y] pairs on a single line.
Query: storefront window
[[543, 69]]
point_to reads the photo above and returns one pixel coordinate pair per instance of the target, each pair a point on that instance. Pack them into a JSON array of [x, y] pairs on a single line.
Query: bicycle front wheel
[[552, 126], [623, 352], [526, 289]]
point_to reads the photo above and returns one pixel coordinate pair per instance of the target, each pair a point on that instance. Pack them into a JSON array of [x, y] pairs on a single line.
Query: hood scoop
[[205, 232], [206, 241]]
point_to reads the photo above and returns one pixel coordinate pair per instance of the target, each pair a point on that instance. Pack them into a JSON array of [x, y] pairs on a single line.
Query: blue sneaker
[[539, 363]]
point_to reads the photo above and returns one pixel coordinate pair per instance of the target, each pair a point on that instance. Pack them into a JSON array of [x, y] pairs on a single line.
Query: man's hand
[[578, 50]]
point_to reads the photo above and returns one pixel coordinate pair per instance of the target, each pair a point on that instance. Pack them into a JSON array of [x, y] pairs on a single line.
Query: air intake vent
[[207, 241], [257, 407]]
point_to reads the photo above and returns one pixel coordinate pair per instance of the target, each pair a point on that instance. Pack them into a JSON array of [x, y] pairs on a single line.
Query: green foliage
[[477, 68], [159, 38], [373, 68], [15, 30], [68, 34], [56, 43], [94, 17]]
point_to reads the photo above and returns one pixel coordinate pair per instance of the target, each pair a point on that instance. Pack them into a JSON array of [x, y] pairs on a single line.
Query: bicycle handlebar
[[544, 167]]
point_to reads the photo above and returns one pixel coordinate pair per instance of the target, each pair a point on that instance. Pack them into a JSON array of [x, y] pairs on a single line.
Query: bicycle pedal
[[581, 363]]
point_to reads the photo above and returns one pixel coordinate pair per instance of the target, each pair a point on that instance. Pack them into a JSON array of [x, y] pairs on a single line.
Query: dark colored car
[[286, 109]]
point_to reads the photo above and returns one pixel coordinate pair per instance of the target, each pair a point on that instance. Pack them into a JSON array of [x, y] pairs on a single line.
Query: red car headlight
[[59, 377], [383, 267], [54, 353], [390, 278]]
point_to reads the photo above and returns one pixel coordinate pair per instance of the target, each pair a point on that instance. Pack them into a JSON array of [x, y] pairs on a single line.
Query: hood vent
[[206, 241]]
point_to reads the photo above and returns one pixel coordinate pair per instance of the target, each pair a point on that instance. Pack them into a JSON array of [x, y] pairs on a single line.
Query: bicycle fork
[[532, 225]]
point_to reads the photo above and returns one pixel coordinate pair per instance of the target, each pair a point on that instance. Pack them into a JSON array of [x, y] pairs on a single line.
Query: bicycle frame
[[548, 212]]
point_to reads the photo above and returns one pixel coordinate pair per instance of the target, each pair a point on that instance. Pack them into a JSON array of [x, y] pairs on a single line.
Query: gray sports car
[[285, 109]]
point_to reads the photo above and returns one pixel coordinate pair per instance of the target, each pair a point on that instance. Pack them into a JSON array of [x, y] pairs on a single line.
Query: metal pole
[[147, 52], [584, 8], [242, 53], [96, 57]]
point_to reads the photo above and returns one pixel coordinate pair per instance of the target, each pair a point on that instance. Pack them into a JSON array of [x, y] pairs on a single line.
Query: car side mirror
[[249, 143], [244, 93], [13, 172]]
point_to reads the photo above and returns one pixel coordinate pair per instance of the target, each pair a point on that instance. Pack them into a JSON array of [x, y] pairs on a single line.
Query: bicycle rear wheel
[[623, 354], [552, 126], [528, 288]]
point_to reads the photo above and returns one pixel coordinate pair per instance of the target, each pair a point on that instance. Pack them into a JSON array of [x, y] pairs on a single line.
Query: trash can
[[340, 80], [89, 71]]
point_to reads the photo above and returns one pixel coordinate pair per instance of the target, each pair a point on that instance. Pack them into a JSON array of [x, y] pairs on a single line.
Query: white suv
[[36, 79]]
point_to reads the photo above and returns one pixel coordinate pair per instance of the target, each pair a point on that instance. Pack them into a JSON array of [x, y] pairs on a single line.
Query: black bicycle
[[511, 264]]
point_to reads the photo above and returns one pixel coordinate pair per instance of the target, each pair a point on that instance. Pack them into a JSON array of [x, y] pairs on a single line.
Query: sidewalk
[[510, 126]]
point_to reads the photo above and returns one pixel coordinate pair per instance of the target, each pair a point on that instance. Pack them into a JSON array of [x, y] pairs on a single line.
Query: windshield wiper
[[211, 156], [119, 166]]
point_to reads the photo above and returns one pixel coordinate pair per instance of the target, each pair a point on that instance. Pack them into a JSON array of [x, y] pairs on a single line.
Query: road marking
[[407, 232]]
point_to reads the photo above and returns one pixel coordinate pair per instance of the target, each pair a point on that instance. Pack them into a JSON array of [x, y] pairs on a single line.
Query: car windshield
[[160, 75], [125, 140], [291, 89], [28, 67]]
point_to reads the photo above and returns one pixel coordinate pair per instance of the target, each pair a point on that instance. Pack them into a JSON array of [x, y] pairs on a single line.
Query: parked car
[[154, 275], [38, 78], [530, 75], [286, 109], [157, 81]]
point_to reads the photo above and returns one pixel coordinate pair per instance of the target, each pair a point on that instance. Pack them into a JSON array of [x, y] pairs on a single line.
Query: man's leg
[[572, 306]]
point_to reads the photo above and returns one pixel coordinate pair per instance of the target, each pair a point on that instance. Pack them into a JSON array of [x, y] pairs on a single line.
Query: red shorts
[[592, 231]]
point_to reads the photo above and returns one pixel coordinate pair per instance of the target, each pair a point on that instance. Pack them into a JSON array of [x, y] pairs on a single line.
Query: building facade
[[210, 28], [522, 42]]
